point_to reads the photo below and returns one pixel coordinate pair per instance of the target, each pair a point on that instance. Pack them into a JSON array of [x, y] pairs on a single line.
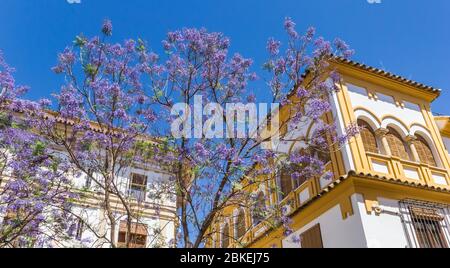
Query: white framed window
[[138, 186]]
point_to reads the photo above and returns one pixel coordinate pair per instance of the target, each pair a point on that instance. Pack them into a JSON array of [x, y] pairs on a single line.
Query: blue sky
[[407, 37]]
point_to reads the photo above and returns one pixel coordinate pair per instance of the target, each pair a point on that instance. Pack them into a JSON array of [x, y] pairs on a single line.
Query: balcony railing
[[291, 202], [408, 171]]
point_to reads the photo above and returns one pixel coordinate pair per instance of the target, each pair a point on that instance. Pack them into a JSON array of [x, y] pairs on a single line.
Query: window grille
[[425, 223]]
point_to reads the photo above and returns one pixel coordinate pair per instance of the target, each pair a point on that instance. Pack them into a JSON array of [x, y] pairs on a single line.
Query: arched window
[[240, 224], [322, 155], [368, 137], [318, 142], [396, 144], [424, 151], [285, 182], [225, 236], [259, 208]]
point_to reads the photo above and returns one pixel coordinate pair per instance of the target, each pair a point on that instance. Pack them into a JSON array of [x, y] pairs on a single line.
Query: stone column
[[381, 134], [410, 141]]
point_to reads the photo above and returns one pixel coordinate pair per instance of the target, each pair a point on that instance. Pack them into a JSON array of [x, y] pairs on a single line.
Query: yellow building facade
[[391, 185]]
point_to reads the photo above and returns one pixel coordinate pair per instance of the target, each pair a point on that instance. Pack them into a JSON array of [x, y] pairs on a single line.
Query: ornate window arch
[[424, 151], [369, 117], [396, 144], [368, 137], [400, 127]]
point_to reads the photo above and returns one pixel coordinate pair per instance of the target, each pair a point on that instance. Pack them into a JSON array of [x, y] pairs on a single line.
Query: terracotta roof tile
[[388, 75]]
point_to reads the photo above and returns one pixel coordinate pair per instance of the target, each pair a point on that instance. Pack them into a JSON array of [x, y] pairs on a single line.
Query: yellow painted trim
[[390, 116], [356, 108], [370, 201], [348, 117], [437, 138], [346, 207]]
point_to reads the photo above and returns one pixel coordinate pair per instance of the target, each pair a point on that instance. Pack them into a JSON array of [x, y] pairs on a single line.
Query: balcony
[[408, 171]]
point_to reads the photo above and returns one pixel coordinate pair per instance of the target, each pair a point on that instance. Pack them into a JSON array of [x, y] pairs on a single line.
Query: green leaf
[[159, 93], [5, 120], [38, 148], [80, 41], [89, 69], [237, 185]]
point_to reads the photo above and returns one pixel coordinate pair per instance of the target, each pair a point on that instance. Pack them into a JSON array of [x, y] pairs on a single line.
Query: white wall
[[336, 232], [341, 129], [95, 216], [384, 230], [385, 105]]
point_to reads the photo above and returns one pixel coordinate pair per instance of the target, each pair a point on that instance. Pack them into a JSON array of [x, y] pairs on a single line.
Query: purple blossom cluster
[[8, 89], [35, 195]]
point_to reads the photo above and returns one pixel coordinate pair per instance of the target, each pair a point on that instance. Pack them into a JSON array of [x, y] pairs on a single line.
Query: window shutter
[[259, 208], [312, 238], [368, 137], [241, 224], [138, 235], [285, 182], [397, 145], [424, 151], [226, 236]]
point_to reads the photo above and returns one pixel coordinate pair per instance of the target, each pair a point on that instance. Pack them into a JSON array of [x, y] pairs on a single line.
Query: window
[[429, 233], [259, 209], [322, 155], [225, 236], [13, 222], [425, 224], [138, 186], [396, 144], [368, 137], [319, 141], [138, 235], [88, 182], [285, 182], [424, 151], [240, 224], [312, 238], [80, 229]]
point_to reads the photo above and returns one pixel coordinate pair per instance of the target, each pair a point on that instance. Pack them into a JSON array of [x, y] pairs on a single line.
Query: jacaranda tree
[[35, 192], [214, 160], [102, 123]]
